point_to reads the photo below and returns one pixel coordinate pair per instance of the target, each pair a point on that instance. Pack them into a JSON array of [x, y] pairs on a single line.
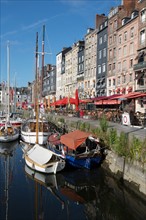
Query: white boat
[[28, 131], [16, 122], [36, 130], [43, 160], [8, 132]]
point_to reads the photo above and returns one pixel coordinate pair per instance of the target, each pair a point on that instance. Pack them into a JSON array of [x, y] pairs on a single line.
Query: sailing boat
[[39, 158], [37, 127], [8, 132]]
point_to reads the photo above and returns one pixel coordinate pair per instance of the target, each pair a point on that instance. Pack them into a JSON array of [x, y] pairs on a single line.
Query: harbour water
[[68, 195]]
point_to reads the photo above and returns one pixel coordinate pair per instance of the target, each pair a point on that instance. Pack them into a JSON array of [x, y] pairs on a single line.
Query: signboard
[[126, 119]]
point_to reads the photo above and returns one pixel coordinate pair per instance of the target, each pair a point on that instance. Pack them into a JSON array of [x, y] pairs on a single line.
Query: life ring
[[125, 119]]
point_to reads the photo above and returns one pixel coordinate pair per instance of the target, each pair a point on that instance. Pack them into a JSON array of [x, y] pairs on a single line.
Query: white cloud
[[31, 26]]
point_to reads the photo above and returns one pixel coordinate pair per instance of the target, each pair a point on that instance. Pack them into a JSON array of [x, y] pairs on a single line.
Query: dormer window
[[123, 21], [132, 15], [101, 26], [143, 15]]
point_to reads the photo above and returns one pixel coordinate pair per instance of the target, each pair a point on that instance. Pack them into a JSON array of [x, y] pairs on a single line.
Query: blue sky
[[66, 22]]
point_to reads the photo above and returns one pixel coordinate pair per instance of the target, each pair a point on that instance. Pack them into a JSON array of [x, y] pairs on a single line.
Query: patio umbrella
[[77, 100]]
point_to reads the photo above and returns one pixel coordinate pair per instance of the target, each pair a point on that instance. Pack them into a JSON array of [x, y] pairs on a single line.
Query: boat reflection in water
[[79, 194], [75, 188], [7, 151]]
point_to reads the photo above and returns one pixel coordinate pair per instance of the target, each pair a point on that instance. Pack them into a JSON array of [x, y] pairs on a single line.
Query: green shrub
[[112, 137], [103, 123], [82, 126], [87, 126], [136, 148], [121, 146]]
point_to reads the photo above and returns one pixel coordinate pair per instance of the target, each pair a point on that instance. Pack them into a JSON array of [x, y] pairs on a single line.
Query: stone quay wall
[[134, 173]]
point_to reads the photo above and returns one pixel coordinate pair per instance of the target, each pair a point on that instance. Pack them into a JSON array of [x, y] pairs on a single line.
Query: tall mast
[[43, 53], [8, 78], [36, 87]]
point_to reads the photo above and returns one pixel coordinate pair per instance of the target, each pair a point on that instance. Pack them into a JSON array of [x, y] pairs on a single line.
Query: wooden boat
[[36, 130], [80, 149], [28, 131], [15, 122], [39, 158], [8, 132], [43, 160]]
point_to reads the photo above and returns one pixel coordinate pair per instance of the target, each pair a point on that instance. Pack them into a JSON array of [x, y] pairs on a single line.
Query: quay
[[131, 173], [137, 131]]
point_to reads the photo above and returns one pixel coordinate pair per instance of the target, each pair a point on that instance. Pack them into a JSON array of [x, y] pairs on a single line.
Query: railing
[[140, 65]]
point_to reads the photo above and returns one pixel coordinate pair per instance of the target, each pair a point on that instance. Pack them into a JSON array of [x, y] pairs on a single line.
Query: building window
[[141, 81], [100, 52], [120, 39], [125, 36], [100, 40], [119, 52], [103, 67], [131, 48], [110, 54], [109, 67], [115, 37], [110, 40], [132, 32], [131, 63], [114, 66], [142, 37], [130, 77], [105, 38], [99, 69], [114, 82], [104, 52], [119, 66], [115, 24], [124, 65], [124, 79], [125, 50], [143, 15], [114, 52], [109, 82]]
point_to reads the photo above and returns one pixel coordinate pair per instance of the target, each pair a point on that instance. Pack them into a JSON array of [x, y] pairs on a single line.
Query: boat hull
[[53, 167], [88, 162], [9, 138], [28, 132], [30, 137]]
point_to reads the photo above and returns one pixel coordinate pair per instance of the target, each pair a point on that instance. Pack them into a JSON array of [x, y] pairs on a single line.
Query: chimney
[[99, 20], [129, 5]]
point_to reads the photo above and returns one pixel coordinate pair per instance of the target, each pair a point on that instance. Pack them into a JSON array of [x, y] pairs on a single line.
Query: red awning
[[129, 95], [74, 139], [60, 102], [138, 96], [108, 102], [85, 101]]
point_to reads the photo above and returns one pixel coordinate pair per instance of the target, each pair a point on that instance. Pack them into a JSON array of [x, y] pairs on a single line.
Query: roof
[[74, 139], [130, 95]]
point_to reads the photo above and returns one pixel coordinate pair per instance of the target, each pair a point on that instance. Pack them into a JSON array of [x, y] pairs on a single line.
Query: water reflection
[[87, 195], [72, 194], [7, 151]]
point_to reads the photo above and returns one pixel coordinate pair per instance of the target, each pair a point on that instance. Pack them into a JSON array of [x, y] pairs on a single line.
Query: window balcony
[[140, 66]]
